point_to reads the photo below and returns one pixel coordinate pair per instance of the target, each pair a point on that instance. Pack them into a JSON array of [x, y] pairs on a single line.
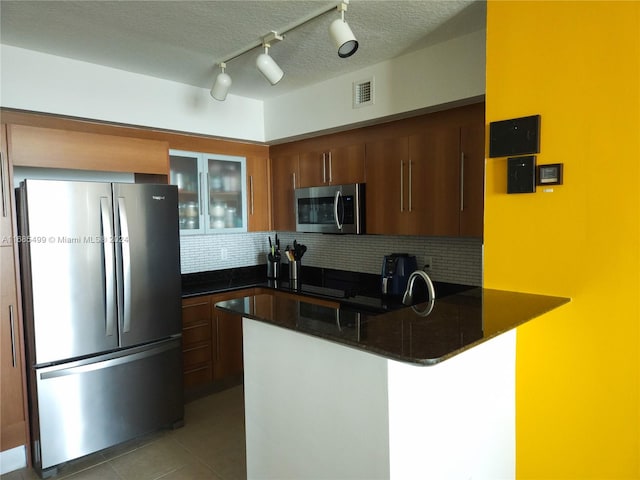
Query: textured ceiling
[[183, 40]]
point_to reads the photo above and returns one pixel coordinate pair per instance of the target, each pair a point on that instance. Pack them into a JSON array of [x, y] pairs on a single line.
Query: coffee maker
[[396, 269]]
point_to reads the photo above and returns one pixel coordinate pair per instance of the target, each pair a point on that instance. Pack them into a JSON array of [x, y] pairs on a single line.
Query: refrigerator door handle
[[123, 243], [109, 266], [106, 361]]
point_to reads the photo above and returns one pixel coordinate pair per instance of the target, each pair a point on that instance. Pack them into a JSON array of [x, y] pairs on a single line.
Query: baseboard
[[13, 459]]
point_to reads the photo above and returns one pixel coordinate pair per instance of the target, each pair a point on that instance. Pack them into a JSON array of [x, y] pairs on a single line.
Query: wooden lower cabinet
[[197, 358], [227, 361], [211, 339]]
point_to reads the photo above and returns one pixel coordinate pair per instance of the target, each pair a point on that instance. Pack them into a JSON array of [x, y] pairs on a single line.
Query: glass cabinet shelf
[[211, 192]]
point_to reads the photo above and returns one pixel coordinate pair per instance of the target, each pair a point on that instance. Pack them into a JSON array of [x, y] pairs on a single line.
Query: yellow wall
[[577, 64]]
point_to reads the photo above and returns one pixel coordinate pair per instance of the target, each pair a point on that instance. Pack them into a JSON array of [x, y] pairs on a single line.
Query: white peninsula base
[[315, 409]]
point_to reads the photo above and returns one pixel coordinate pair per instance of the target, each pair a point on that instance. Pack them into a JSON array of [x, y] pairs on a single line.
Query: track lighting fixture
[[222, 84], [339, 31], [341, 34], [266, 64]]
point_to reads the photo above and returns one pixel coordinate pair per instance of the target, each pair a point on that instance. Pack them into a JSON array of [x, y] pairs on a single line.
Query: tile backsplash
[[455, 260]]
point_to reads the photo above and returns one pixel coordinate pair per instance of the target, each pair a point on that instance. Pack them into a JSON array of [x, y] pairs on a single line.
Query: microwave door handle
[[336, 202]]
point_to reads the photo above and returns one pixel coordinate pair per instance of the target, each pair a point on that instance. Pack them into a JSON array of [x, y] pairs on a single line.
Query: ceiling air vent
[[363, 93]]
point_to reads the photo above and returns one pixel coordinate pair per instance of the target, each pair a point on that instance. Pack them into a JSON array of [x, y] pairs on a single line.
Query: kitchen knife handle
[[402, 185], [14, 361], [123, 241], [109, 266]]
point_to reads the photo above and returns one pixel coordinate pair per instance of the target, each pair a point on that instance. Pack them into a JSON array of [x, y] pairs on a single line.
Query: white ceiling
[[182, 40]]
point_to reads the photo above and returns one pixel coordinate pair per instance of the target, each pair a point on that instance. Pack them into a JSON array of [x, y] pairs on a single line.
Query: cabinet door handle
[[217, 338], [462, 181], [14, 361], [410, 187], [324, 168], [402, 185], [251, 191], [5, 199], [293, 175], [330, 169], [201, 193]]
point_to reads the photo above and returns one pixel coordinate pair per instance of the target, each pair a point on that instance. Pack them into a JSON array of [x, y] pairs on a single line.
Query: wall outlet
[[224, 253], [428, 263]]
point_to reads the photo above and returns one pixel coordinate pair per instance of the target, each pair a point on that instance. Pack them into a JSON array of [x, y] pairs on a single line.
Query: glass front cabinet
[[211, 192]]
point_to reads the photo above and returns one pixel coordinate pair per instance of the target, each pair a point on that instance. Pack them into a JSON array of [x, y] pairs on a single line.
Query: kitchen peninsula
[[419, 392]]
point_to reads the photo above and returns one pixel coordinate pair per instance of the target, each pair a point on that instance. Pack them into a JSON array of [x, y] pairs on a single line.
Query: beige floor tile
[[229, 463], [104, 471], [197, 471], [152, 461]]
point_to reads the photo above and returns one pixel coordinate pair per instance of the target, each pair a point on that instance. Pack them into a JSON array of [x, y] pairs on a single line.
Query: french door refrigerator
[[101, 282]]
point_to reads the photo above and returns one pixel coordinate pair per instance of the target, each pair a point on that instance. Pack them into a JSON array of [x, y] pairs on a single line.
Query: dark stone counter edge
[[554, 302]]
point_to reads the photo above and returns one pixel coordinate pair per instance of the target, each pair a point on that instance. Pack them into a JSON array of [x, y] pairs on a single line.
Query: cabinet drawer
[[199, 333], [196, 312], [195, 355], [198, 376]]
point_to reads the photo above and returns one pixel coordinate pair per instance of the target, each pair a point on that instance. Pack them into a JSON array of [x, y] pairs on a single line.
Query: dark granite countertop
[[424, 334], [427, 333], [360, 291]]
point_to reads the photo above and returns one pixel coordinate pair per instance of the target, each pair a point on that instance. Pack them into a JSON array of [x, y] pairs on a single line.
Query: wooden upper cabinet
[[472, 175], [434, 182], [428, 181], [284, 178], [346, 164], [413, 184], [53, 148], [313, 169], [386, 193], [258, 189], [335, 166]]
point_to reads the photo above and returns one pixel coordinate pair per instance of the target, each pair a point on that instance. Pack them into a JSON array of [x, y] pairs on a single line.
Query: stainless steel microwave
[[331, 209]]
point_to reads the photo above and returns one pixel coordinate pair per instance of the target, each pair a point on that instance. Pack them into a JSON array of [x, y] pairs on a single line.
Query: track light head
[[222, 85], [340, 32], [268, 67], [342, 36]]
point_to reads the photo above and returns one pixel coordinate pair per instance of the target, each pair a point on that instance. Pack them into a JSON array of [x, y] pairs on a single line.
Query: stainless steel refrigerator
[[101, 282]]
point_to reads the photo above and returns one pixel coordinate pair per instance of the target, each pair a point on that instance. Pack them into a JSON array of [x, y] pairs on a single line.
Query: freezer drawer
[[86, 406]]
